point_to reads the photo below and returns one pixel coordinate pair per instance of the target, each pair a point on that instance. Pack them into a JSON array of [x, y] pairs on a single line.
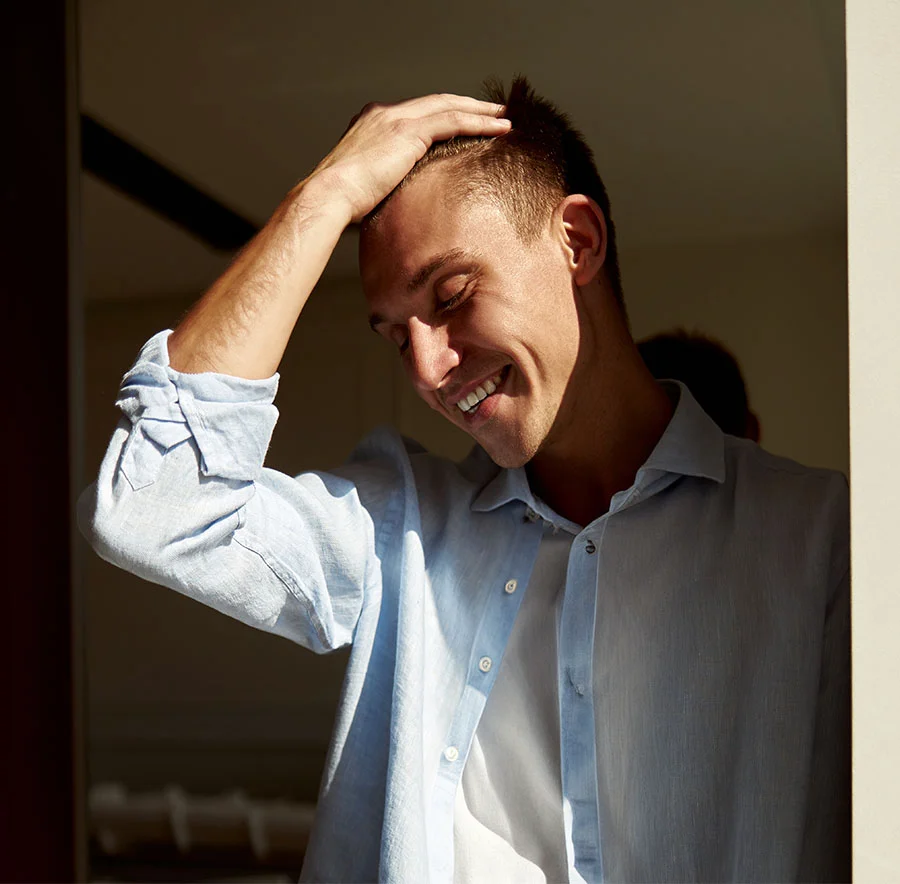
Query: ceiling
[[710, 120]]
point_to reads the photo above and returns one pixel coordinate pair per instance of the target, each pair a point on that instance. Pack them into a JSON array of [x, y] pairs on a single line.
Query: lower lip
[[488, 405]]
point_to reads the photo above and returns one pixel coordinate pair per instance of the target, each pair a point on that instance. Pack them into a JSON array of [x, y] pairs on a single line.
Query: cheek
[[479, 327]]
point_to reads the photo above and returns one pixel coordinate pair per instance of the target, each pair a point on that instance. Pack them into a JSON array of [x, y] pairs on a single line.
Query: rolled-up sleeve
[[183, 499]]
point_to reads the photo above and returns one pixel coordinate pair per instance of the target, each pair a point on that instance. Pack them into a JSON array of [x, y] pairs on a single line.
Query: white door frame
[[873, 170]]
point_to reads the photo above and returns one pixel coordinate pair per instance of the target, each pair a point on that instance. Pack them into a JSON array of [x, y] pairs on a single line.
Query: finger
[[449, 124], [364, 110], [447, 102], [429, 105]]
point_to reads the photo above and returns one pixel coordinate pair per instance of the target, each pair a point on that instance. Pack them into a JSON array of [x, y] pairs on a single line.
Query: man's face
[[475, 312]]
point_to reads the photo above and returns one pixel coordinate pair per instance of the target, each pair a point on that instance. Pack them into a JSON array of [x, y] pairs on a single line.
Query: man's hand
[[384, 141], [242, 324]]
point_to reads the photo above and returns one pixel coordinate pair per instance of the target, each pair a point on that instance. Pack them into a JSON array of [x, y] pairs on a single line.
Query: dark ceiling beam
[[128, 169]]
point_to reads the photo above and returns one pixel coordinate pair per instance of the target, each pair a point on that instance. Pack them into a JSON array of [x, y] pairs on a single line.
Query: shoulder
[[771, 474], [389, 459], [799, 504]]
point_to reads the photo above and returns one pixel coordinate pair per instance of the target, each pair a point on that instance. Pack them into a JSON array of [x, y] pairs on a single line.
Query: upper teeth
[[467, 403]]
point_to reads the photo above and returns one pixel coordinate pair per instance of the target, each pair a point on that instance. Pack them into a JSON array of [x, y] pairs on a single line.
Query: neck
[[614, 423]]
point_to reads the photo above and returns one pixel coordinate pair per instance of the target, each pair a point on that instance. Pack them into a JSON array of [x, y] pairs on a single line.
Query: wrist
[[320, 196]]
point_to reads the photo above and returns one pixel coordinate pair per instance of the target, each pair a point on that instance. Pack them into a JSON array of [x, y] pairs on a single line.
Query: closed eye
[[453, 300]]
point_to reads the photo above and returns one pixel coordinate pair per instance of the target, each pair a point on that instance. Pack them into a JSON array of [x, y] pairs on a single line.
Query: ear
[[584, 238]]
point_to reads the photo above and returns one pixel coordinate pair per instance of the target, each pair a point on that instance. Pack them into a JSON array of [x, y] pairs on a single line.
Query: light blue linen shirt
[[703, 665]]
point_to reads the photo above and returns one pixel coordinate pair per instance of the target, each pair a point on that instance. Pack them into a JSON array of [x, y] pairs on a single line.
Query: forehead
[[427, 219]]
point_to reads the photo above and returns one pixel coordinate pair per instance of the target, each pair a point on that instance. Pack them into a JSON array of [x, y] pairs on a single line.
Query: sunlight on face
[[486, 324]]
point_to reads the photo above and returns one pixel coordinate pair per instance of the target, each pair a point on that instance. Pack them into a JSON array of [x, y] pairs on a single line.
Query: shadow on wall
[[712, 374]]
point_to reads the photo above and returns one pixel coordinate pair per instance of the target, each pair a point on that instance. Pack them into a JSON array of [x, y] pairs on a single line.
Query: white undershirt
[[508, 818]]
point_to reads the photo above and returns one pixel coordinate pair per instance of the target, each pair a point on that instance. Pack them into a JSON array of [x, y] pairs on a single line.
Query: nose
[[429, 356]]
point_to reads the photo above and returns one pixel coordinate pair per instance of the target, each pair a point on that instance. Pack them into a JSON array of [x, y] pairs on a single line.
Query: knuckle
[[370, 108]]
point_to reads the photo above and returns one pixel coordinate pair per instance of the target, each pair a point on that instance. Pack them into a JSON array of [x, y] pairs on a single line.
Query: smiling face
[[482, 319]]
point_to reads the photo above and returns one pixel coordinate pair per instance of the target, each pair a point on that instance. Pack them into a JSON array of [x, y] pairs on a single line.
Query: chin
[[509, 463], [508, 457]]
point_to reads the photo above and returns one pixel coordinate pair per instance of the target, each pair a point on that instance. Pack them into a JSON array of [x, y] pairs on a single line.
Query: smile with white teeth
[[469, 403]]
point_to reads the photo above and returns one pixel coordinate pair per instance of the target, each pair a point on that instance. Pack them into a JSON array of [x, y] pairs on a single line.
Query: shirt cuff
[[230, 418]]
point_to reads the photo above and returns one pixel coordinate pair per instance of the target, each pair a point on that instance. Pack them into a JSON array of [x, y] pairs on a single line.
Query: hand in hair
[[242, 324], [384, 141]]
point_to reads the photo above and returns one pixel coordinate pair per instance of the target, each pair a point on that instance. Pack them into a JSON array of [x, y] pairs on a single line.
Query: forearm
[[241, 326]]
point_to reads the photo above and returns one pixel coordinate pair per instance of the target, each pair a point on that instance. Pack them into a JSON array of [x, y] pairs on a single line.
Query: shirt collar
[[691, 445]]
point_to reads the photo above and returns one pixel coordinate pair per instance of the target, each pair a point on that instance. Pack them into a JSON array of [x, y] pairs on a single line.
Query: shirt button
[[451, 753], [485, 663], [510, 587], [589, 547]]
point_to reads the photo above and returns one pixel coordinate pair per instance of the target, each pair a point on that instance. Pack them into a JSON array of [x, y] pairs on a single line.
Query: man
[[611, 644], [710, 371]]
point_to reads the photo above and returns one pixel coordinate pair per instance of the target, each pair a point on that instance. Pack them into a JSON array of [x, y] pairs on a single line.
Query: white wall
[[873, 157]]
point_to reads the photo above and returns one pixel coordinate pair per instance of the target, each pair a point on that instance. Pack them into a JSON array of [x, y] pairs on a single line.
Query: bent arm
[[242, 325], [182, 499]]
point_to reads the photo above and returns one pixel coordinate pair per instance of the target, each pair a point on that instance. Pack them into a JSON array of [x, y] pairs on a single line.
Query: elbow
[[111, 526], [97, 522]]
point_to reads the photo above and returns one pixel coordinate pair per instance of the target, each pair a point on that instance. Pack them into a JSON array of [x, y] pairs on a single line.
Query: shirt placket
[[578, 730], [504, 600]]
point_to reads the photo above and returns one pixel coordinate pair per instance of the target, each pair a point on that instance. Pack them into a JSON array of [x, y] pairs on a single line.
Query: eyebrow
[[419, 279], [421, 276]]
